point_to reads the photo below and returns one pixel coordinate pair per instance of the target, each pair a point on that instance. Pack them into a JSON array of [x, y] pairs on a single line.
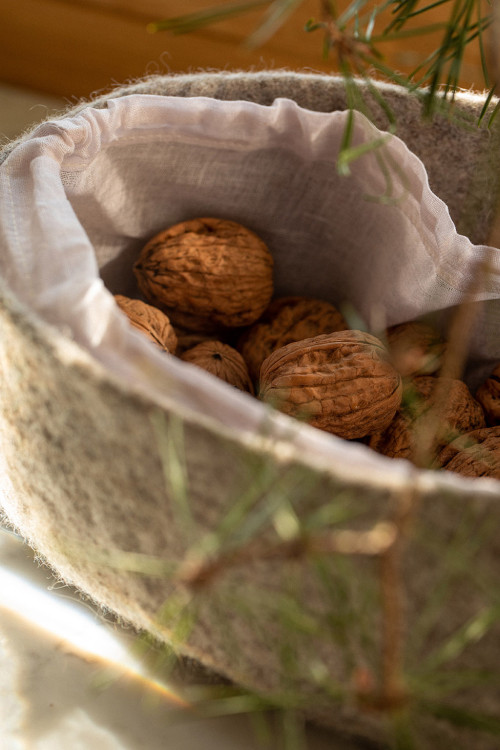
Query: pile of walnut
[[210, 301]]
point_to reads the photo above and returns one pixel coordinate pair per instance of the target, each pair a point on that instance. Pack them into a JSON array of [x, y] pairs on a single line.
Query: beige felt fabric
[[82, 478]]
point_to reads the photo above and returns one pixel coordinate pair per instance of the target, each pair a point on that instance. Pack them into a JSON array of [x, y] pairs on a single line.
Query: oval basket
[[184, 527]]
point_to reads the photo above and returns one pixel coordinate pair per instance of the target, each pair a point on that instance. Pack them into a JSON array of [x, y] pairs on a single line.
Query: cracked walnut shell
[[207, 269], [150, 321], [340, 382], [221, 360], [287, 319]]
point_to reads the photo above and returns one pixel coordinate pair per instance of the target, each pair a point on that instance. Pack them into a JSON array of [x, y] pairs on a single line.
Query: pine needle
[[190, 22]]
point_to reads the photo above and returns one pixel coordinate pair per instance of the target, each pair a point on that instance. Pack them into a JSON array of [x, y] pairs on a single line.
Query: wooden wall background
[[72, 48]]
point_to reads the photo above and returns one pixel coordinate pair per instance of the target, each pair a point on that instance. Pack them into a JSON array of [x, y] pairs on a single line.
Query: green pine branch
[[351, 40]]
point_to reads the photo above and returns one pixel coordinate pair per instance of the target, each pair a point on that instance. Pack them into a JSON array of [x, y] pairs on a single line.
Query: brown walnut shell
[[416, 348], [207, 269], [340, 382], [187, 339], [459, 413], [221, 360], [150, 321], [488, 395], [287, 319], [476, 454]]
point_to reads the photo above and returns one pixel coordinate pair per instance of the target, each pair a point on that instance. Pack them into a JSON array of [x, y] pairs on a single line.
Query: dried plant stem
[[372, 543], [392, 694], [385, 541], [392, 689], [348, 47]]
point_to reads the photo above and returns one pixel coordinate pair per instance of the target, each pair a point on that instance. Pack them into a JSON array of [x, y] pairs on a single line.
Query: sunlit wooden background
[[72, 48]]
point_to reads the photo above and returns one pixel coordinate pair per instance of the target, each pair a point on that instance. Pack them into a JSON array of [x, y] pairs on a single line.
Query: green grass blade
[[437, 71], [443, 683], [460, 717], [494, 115], [402, 12], [313, 25], [486, 105], [135, 562], [455, 562], [273, 497], [294, 736], [459, 42], [401, 732], [170, 441], [370, 25], [408, 33], [197, 20], [395, 77], [348, 155], [482, 51], [420, 11], [276, 16], [352, 11], [338, 511], [383, 104], [230, 705], [179, 614], [471, 632], [345, 144]]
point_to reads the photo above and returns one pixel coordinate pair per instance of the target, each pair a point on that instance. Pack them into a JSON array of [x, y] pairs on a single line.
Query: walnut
[[187, 339], [340, 382], [396, 441], [476, 454], [150, 321], [207, 269], [488, 395], [460, 413], [416, 348], [193, 323], [221, 360], [287, 319]]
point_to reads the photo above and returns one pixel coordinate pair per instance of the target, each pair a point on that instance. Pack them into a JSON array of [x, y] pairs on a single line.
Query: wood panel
[[72, 48]]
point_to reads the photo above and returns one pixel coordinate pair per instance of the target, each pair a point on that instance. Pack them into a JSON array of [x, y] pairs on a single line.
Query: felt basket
[[124, 491]]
